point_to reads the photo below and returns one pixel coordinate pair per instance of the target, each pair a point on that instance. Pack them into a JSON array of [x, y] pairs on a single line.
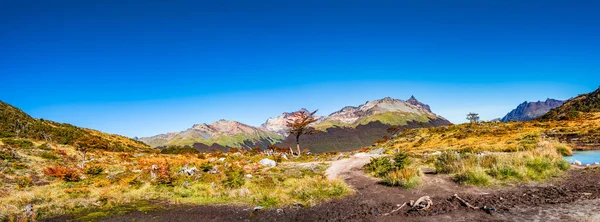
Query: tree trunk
[[298, 143], [291, 151]]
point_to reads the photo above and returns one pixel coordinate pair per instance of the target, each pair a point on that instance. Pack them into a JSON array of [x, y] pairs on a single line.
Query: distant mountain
[[387, 111], [354, 127], [14, 123], [530, 110], [347, 129], [278, 124], [222, 133], [573, 108]]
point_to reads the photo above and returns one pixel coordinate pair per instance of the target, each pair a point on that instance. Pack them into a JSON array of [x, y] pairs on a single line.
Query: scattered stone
[[377, 151], [577, 163], [279, 211], [221, 159], [139, 155], [188, 171], [258, 208], [268, 162], [298, 204], [249, 176], [214, 170], [212, 159], [136, 171], [587, 165], [284, 156], [186, 184], [596, 163]]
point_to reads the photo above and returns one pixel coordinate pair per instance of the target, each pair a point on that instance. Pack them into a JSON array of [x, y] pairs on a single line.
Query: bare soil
[[573, 197]]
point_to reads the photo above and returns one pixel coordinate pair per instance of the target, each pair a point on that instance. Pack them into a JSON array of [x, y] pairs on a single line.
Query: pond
[[586, 157]]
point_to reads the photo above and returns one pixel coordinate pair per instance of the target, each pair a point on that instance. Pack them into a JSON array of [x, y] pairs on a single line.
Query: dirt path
[[575, 197]]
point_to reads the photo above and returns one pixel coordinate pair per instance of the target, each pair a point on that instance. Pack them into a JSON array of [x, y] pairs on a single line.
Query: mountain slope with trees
[[14, 123], [576, 107]]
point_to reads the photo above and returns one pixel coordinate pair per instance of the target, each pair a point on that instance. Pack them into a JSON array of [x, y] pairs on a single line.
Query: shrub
[[234, 178], [179, 150], [401, 160], [564, 150], [49, 155], [446, 162], [66, 174], [406, 177], [18, 143], [94, 170], [379, 167], [24, 181], [474, 177], [563, 165]]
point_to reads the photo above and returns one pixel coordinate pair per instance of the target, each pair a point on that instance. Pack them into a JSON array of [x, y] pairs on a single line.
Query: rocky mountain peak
[[413, 101], [531, 110]]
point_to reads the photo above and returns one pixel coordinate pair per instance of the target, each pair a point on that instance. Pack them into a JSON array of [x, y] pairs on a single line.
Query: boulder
[[188, 171], [268, 162], [577, 163], [596, 163]]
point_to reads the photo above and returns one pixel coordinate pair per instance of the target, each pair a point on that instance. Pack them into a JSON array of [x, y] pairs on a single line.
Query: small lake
[[586, 157]]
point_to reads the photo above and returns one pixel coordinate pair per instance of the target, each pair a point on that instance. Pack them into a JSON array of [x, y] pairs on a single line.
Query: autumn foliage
[[66, 174], [298, 124]]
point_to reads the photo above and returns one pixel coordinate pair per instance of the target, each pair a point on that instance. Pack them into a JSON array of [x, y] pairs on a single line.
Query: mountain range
[[360, 125], [531, 110]]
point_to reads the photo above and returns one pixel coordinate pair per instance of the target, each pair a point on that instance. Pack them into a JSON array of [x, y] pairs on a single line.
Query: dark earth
[[572, 197]]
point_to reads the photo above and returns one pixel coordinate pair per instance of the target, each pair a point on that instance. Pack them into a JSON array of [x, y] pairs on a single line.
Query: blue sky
[[140, 68]]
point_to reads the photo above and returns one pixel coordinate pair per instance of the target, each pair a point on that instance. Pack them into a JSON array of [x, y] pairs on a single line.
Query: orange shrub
[[66, 174]]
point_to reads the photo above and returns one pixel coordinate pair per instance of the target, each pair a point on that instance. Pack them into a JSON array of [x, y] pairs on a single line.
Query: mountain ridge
[[531, 110]]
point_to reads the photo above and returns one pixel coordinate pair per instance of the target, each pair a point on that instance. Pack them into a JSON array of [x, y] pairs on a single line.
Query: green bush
[[474, 177], [18, 143], [446, 162], [379, 167], [49, 155], [563, 150], [401, 160], [406, 177], [563, 165], [234, 178], [94, 170]]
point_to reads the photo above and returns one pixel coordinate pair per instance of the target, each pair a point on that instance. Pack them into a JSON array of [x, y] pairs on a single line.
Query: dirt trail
[[574, 197], [344, 166]]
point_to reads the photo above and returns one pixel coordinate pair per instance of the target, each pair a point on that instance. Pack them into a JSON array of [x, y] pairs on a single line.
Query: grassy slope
[[573, 108], [14, 122], [513, 136], [125, 180], [389, 118], [232, 141]]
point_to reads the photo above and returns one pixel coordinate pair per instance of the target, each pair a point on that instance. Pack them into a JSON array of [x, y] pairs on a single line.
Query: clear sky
[[140, 68]]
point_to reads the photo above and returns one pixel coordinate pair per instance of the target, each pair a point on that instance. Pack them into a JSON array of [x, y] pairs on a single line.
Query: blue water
[[586, 157]]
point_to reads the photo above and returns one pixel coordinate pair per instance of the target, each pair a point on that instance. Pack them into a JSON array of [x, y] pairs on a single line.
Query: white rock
[[249, 176], [222, 159], [268, 162], [596, 163], [577, 163]]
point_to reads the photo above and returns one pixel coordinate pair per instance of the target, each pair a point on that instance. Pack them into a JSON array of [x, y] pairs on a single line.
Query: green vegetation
[[575, 108], [117, 182], [16, 126], [395, 171]]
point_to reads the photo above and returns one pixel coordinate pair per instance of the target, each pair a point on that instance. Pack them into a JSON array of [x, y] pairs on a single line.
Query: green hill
[[14, 123]]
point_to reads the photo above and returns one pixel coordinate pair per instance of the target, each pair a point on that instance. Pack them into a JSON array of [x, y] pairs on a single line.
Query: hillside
[[574, 108], [352, 128], [530, 110], [220, 133], [14, 123]]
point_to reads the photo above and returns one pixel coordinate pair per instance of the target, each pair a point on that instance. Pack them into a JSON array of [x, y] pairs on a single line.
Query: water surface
[[585, 157]]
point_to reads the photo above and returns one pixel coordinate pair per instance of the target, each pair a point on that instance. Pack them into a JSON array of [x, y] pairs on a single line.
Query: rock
[[221, 159], [377, 151], [136, 171], [188, 171], [258, 208], [298, 204], [249, 176], [596, 163], [268, 162], [279, 211], [284, 156], [214, 170], [139, 155], [577, 163]]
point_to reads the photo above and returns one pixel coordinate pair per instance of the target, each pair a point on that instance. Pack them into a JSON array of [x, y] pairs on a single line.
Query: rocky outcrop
[[530, 110]]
